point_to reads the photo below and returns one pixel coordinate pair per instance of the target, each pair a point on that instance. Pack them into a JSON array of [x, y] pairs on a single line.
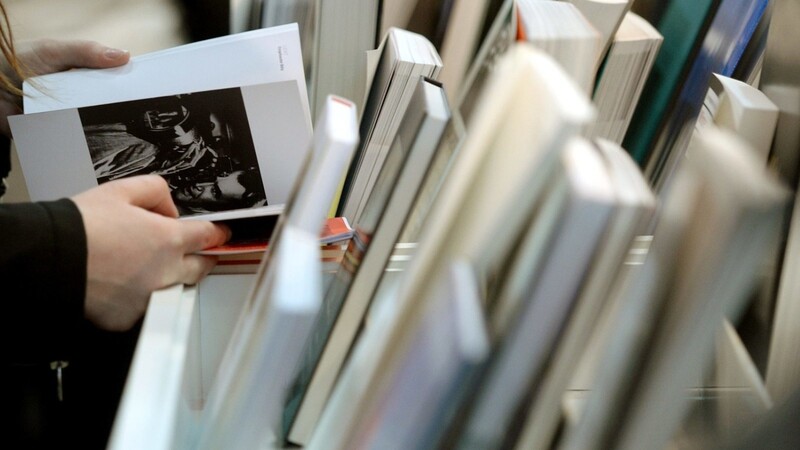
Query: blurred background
[[140, 26]]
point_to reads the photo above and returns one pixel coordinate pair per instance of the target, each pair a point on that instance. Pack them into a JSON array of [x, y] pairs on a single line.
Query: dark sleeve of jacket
[[42, 279]]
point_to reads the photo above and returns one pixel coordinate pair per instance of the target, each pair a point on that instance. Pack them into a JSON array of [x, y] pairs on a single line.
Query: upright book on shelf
[[635, 206], [622, 77], [229, 137], [745, 110], [528, 110], [683, 25], [721, 216], [436, 372], [331, 150], [778, 79], [247, 414], [742, 206], [561, 30], [606, 17], [783, 364], [404, 58], [462, 38], [551, 277], [499, 37], [352, 289], [727, 38], [343, 34]]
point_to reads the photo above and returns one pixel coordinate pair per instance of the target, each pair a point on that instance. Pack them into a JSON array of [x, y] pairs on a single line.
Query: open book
[[225, 121]]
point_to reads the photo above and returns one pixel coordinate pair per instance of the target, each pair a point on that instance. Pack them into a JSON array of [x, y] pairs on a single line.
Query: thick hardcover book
[[562, 31], [620, 82], [403, 58], [225, 121]]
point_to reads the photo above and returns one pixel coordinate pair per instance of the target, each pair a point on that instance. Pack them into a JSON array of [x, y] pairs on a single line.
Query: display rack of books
[[580, 234]]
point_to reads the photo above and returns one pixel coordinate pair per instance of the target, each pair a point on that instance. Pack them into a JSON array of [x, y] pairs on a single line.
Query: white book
[[737, 217], [635, 207], [507, 272], [197, 124], [331, 150], [592, 421], [605, 16], [344, 31], [405, 57], [352, 290], [247, 413], [587, 201], [742, 109], [461, 41], [497, 213], [406, 245], [334, 142], [721, 216], [621, 80], [501, 35], [437, 371], [484, 187], [561, 30]]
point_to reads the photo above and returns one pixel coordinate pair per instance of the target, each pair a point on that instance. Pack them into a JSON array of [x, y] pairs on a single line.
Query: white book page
[[254, 57]]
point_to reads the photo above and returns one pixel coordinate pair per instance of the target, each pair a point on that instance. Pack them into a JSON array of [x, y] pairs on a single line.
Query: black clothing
[[43, 265], [44, 262]]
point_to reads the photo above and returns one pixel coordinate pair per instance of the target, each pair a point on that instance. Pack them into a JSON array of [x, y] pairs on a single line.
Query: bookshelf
[[186, 329]]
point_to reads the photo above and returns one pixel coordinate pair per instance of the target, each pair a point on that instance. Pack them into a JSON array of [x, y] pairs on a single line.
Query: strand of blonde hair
[[7, 83]]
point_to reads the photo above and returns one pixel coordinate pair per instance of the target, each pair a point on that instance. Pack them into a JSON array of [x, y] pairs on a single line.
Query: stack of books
[[486, 262]]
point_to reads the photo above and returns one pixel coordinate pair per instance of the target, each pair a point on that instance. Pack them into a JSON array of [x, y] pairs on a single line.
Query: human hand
[[136, 245], [43, 56]]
